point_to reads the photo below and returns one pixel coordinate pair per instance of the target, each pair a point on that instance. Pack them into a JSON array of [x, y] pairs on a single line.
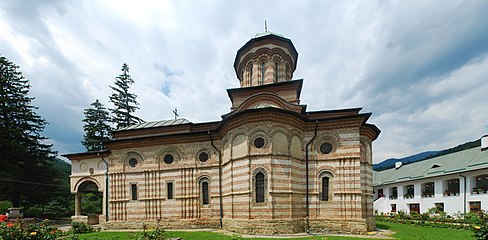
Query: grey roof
[[458, 162], [154, 124], [258, 35]]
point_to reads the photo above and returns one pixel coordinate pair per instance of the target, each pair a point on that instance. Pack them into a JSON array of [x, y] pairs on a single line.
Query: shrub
[[79, 227], [4, 206], [159, 233], [480, 229], [11, 231]]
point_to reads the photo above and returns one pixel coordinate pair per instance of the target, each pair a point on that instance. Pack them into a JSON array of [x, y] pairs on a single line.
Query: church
[[268, 166]]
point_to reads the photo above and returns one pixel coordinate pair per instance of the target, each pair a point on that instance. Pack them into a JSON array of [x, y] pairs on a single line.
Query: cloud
[[419, 67]]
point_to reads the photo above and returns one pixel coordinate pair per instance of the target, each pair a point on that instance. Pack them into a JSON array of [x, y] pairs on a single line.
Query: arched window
[[276, 72], [259, 187], [325, 179], [133, 189], [250, 74], [324, 195], [204, 191], [169, 190], [263, 71]]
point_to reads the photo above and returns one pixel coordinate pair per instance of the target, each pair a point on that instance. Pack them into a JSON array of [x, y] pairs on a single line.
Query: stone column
[[77, 204]]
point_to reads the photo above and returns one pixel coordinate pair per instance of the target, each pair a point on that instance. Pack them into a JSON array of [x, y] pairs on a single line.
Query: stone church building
[[268, 166]]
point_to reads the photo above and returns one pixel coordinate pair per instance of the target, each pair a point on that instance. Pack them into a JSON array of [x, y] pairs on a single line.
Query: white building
[[453, 182]]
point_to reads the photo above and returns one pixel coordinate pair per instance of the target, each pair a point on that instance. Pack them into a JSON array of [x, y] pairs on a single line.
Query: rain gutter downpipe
[[464, 193], [307, 210], [106, 187], [220, 179]]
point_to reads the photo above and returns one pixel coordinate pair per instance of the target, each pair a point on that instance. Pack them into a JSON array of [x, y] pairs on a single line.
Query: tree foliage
[[124, 102], [97, 128], [26, 159]]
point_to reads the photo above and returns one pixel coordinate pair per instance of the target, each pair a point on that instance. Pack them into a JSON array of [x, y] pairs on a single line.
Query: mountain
[[390, 163]]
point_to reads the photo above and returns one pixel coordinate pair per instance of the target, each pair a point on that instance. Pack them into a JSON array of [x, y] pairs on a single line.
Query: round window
[[203, 156], [326, 148], [132, 162], [168, 159], [259, 142]]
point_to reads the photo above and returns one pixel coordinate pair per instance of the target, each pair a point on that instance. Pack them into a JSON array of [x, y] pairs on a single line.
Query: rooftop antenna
[[176, 113], [265, 26]]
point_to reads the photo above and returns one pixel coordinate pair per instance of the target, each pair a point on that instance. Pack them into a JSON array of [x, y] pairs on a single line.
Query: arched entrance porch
[[88, 201]]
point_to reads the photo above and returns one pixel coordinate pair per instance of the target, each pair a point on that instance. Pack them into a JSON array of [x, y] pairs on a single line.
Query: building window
[[133, 190], [380, 193], [439, 207], [475, 206], [414, 207], [452, 187], [324, 195], [259, 187], [250, 74], [428, 189], [168, 159], [259, 142], [276, 72], [169, 190], [409, 191], [481, 184], [205, 191], [203, 157], [393, 207], [393, 193], [326, 148], [132, 162], [263, 71]]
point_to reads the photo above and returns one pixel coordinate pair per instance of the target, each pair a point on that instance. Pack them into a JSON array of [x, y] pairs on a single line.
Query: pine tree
[[97, 128], [24, 155], [125, 103]]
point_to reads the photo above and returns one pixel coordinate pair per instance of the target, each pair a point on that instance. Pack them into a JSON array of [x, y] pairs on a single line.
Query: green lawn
[[411, 232], [407, 232]]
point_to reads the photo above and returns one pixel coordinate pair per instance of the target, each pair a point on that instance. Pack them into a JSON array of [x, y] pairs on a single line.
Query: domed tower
[[265, 59]]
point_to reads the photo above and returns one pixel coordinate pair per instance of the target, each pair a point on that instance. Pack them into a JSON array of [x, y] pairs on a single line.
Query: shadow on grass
[[382, 226]]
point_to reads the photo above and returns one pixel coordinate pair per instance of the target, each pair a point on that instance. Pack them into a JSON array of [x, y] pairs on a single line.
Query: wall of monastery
[[282, 161], [152, 175]]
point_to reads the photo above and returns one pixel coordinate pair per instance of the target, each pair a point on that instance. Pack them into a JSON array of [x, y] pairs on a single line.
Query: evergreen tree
[[97, 128], [125, 103], [24, 155]]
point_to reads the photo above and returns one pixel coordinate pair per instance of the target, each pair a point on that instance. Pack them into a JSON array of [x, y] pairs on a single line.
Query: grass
[[402, 231], [411, 232]]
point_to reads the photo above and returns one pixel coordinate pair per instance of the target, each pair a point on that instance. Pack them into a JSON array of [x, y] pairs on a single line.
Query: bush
[[481, 227], [79, 227], [11, 231], [4, 206], [159, 233]]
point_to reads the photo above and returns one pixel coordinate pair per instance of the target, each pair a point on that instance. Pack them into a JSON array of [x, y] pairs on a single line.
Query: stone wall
[[357, 226], [268, 227], [165, 224]]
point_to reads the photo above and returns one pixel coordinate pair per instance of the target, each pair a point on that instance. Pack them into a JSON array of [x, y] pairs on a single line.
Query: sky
[[420, 67]]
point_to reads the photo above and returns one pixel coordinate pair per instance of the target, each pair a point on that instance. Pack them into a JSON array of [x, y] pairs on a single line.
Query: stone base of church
[[165, 224], [263, 226], [346, 226], [253, 226]]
